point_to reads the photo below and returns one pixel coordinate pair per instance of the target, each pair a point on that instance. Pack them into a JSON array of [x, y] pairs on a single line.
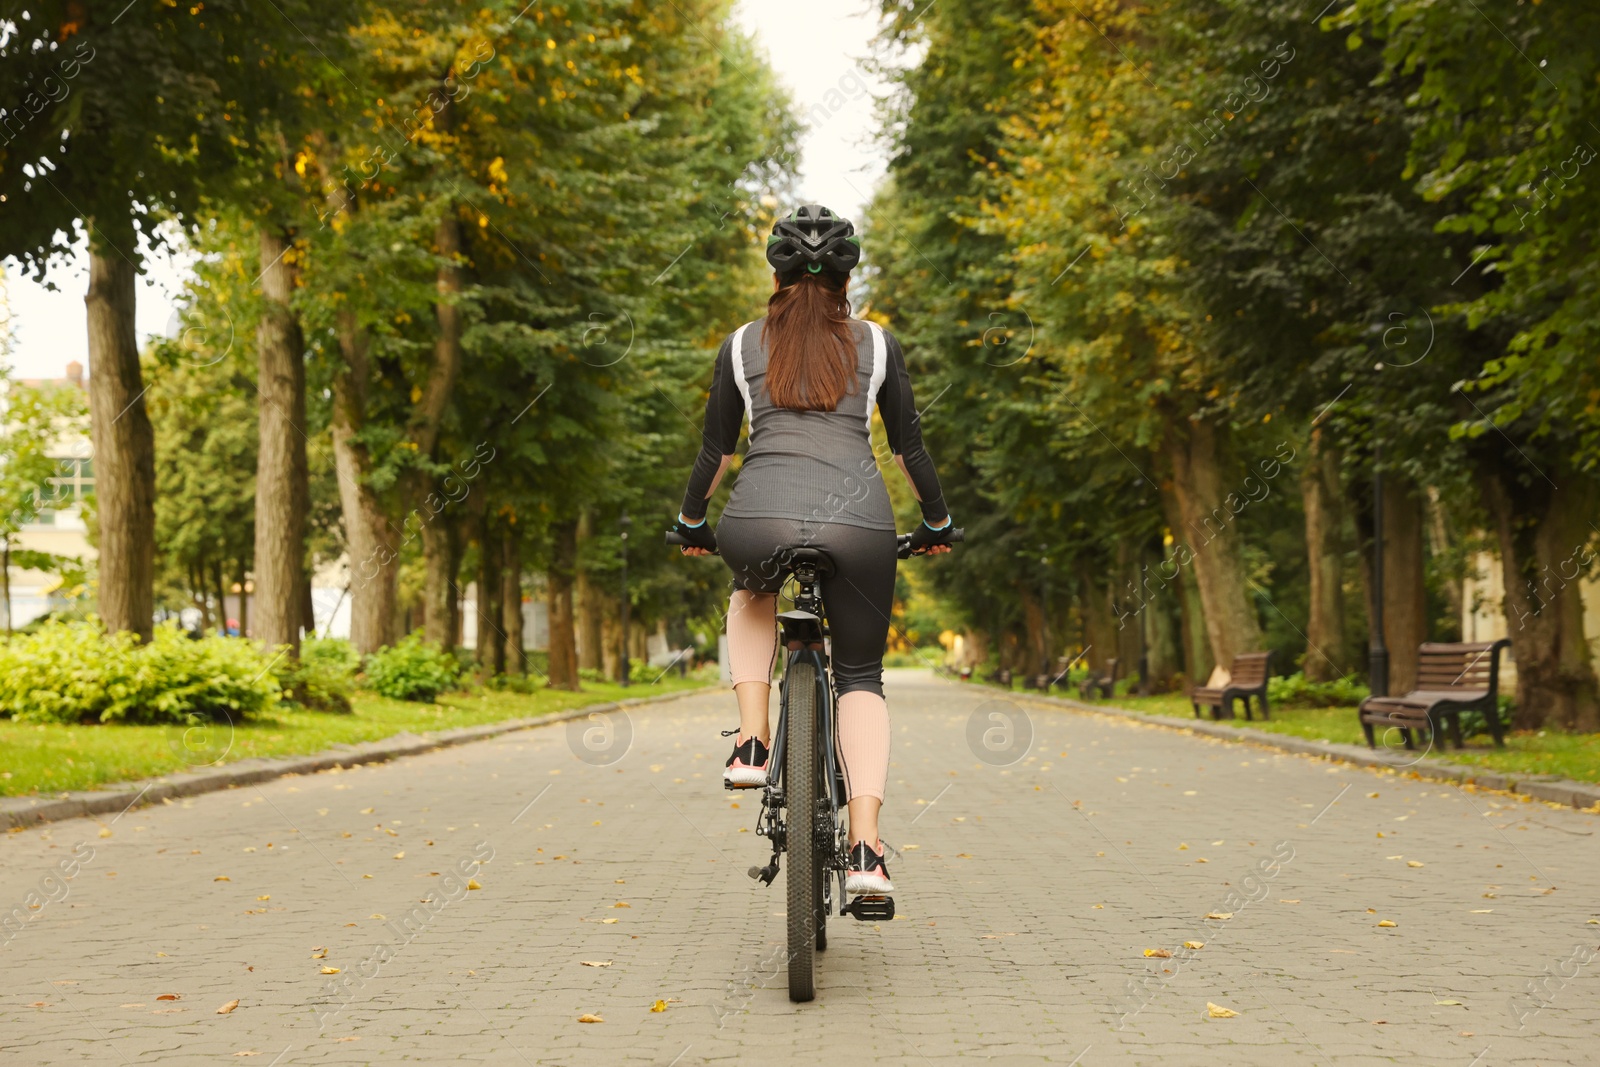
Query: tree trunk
[[369, 533], [1326, 658], [610, 609], [1452, 583], [563, 644], [439, 583], [244, 603], [516, 657], [222, 597], [281, 478], [590, 609], [5, 579], [491, 650], [1172, 578], [124, 445], [1033, 623], [1208, 510], [202, 599], [1100, 632], [1405, 595], [1544, 552]]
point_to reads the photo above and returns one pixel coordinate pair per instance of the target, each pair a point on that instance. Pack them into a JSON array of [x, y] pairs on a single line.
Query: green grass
[[1527, 752], [51, 758]]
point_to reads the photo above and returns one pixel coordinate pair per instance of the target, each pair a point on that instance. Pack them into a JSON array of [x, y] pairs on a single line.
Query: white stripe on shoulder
[[737, 354], [880, 366]]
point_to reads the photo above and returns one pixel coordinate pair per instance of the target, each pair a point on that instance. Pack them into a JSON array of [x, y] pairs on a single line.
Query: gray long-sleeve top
[[813, 466]]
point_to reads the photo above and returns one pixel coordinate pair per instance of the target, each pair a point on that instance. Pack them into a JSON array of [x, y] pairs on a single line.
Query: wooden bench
[[1001, 676], [1451, 678], [1247, 678], [1104, 681]]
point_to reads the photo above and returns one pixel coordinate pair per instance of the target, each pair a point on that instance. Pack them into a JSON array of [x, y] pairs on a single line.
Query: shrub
[[77, 673], [325, 677], [1295, 691], [414, 669]]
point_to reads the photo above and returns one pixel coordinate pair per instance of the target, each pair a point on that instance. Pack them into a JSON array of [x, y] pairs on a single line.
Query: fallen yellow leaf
[[265, 896], [400, 855], [1217, 1011], [1158, 953], [1386, 922], [105, 831], [377, 915], [608, 922], [659, 1005], [170, 996], [222, 878], [590, 1019], [1282, 900], [1413, 863], [319, 953], [622, 904], [368, 811], [228, 1007], [472, 883], [1194, 944], [330, 970], [1219, 914]]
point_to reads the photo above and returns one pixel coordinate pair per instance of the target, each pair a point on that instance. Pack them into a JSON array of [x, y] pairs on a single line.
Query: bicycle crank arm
[[870, 909]]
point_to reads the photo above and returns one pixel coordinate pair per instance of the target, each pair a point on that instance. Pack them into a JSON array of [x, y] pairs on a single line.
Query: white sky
[[819, 50]]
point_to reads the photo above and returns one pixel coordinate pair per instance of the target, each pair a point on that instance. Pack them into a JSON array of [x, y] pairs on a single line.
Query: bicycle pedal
[[870, 908]]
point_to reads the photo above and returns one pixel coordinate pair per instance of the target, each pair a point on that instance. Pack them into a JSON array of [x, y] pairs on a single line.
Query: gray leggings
[[858, 598]]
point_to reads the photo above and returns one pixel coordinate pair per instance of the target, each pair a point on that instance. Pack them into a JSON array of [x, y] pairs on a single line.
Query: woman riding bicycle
[[808, 376]]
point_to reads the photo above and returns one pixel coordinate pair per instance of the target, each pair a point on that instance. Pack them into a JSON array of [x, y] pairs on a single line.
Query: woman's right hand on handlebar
[[702, 541]]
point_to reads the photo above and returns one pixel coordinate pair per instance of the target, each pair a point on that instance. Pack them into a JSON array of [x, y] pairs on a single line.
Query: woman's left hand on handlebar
[[925, 540]]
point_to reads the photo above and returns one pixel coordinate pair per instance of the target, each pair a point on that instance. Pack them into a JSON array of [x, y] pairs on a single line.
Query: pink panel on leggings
[[864, 743], [752, 636]]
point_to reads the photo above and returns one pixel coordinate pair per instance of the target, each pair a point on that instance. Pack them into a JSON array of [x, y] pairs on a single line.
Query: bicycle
[[806, 776]]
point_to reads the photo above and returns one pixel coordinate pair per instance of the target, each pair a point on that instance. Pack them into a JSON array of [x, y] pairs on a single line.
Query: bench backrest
[[1459, 665], [1249, 669], [1110, 669]]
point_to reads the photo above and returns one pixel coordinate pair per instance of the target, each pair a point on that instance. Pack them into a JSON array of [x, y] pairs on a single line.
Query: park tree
[[127, 116]]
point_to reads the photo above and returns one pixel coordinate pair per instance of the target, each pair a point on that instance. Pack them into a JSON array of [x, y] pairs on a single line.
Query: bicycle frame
[[803, 630]]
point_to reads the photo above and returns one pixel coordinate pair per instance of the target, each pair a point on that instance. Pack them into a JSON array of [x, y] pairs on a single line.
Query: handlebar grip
[[676, 538], [957, 534]]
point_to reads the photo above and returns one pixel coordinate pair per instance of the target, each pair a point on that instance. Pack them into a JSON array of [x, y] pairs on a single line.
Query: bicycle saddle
[[815, 557]]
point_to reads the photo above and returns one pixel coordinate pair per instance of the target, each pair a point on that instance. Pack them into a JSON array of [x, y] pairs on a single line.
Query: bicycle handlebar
[[903, 542]]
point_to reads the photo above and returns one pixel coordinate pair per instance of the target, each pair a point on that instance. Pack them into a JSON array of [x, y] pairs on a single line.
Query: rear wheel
[[804, 883]]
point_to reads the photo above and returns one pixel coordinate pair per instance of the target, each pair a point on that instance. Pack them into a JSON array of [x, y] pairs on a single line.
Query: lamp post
[[627, 669], [1377, 649]]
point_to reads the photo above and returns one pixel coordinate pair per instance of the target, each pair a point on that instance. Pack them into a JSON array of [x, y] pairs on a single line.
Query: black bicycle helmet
[[812, 238]]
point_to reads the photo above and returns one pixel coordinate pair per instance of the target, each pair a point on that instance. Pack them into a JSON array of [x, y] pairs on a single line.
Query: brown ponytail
[[811, 351]]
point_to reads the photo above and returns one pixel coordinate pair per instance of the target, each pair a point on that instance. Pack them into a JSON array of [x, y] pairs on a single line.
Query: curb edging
[[24, 812], [1564, 791]]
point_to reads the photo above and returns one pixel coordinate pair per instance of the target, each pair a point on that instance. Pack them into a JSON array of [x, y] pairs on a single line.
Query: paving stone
[[999, 953]]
